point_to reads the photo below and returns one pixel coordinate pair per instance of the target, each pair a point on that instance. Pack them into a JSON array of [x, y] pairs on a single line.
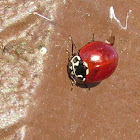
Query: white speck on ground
[[113, 16], [43, 50]]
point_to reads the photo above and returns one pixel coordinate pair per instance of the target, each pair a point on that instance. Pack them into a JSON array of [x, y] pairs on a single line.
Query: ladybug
[[93, 63]]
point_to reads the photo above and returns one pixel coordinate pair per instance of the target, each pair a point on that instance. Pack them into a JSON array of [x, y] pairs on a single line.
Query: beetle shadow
[[88, 85]]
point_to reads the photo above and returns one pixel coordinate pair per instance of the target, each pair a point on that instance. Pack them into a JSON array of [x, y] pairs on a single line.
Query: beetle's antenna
[[73, 45], [69, 56]]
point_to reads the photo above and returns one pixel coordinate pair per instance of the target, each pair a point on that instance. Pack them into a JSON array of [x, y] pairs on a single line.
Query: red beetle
[[93, 63]]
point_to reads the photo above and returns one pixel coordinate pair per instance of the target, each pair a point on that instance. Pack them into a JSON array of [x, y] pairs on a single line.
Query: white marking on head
[[80, 76], [87, 70], [72, 73], [70, 67], [76, 64], [75, 61]]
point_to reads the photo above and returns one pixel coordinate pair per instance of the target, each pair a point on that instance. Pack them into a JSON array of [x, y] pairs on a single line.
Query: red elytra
[[101, 58]]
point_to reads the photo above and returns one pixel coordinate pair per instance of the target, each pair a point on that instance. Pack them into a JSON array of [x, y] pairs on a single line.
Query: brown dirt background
[[36, 102]]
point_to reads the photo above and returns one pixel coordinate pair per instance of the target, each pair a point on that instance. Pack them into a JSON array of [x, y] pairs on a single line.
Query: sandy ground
[[36, 101]]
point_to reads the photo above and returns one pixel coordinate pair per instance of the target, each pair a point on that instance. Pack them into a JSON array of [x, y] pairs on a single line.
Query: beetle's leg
[[92, 39], [71, 85], [69, 56], [87, 86]]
